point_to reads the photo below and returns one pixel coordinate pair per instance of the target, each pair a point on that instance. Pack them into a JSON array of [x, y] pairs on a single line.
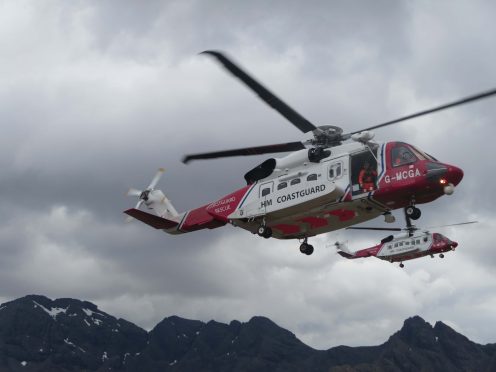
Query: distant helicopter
[[411, 244], [332, 181]]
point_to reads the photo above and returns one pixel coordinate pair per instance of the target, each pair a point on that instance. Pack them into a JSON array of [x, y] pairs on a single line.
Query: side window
[[418, 241], [401, 155], [407, 243], [282, 185], [295, 181], [401, 244], [335, 170], [425, 239], [395, 245], [312, 177], [266, 189]]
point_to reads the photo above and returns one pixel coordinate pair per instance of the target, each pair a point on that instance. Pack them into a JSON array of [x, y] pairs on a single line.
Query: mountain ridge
[[37, 333]]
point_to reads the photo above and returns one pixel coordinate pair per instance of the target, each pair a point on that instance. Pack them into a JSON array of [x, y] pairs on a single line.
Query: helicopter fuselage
[[299, 198], [404, 247], [307, 199]]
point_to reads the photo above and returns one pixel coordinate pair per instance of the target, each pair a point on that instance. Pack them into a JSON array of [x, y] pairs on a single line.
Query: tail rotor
[[144, 195]]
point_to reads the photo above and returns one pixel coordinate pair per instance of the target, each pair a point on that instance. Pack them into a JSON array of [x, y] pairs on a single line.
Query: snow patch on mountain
[[89, 312], [53, 312]]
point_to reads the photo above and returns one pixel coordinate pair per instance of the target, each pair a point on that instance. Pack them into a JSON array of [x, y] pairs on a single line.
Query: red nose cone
[[454, 244], [455, 174]]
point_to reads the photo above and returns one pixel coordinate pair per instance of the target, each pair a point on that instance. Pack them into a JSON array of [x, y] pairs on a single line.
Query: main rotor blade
[[268, 149], [459, 102], [270, 98], [375, 228], [452, 224]]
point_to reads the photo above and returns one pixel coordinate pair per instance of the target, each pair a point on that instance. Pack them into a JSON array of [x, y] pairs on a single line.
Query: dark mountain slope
[[38, 334]]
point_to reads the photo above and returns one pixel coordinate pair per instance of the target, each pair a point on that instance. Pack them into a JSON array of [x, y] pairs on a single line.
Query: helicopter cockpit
[[402, 155], [405, 154]]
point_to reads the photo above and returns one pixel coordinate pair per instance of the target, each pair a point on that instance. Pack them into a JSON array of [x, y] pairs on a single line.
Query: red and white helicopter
[[332, 181], [411, 244]]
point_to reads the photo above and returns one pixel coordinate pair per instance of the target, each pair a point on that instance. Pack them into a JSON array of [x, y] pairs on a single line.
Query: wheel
[[416, 214], [401, 265], [413, 212], [409, 210], [268, 232], [306, 248], [262, 230], [441, 255], [309, 250]]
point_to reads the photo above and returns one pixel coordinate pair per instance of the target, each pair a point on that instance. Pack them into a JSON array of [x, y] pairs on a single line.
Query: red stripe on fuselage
[[287, 229], [215, 214], [226, 205]]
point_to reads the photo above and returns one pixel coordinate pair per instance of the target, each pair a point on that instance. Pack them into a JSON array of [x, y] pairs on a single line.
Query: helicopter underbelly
[[404, 256], [305, 221]]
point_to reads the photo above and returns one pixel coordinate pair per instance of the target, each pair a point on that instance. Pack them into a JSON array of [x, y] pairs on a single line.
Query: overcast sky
[[95, 96]]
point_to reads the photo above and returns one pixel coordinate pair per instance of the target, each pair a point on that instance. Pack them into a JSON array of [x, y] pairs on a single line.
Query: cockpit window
[[401, 155], [423, 154], [419, 154]]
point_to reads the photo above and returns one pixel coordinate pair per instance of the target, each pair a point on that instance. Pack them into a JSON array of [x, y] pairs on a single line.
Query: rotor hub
[[327, 136], [145, 195]]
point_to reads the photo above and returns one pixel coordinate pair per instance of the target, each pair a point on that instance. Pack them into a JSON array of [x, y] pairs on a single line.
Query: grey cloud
[[96, 96]]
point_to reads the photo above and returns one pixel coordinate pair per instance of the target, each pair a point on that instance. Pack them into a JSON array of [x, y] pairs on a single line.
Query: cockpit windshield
[[422, 154], [402, 155]]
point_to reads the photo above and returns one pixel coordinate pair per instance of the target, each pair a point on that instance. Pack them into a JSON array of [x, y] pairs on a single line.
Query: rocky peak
[[416, 332], [72, 332]]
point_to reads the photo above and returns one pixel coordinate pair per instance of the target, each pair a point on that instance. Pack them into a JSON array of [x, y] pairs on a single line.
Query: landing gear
[[401, 265], [441, 255], [264, 231], [413, 212], [306, 248]]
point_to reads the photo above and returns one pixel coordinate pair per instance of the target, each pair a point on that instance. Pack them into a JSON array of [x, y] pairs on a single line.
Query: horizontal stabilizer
[[151, 219], [346, 255]]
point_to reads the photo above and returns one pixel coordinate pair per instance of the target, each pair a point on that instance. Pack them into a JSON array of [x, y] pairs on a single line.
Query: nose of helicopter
[[454, 175], [454, 245]]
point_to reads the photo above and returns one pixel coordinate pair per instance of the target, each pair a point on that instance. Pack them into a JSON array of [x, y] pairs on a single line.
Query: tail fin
[[162, 206]]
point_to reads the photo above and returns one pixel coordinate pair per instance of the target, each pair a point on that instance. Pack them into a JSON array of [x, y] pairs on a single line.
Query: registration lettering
[[402, 175]]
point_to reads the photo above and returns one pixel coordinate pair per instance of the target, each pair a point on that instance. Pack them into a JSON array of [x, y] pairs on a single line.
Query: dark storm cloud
[[96, 96]]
